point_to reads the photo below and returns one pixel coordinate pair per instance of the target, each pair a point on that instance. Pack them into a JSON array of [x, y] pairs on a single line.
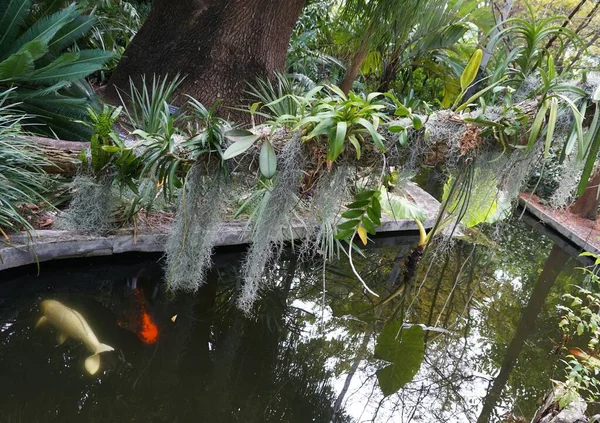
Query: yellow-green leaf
[[362, 234], [470, 72]]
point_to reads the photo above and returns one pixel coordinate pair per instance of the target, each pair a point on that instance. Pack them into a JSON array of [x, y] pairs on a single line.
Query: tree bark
[[357, 61], [217, 45], [62, 156], [586, 206]]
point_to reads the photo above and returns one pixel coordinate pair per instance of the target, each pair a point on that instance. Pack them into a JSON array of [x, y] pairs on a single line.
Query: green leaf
[[267, 160], [364, 195], [369, 225], [350, 224], [12, 15], [396, 128], [374, 216], [352, 214], [536, 127], [243, 141], [377, 139], [405, 356], [417, 122], [470, 72], [354, 141], [340, 137], [345, 234], [359, 204], [400, 207], [17, 65], [403, 138]]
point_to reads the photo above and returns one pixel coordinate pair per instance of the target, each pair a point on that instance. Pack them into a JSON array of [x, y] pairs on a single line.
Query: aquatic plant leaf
[[405, 356], [400, 207], [482, 199]]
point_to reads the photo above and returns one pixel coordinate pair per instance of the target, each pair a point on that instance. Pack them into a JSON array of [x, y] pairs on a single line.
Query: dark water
[[292, 360]]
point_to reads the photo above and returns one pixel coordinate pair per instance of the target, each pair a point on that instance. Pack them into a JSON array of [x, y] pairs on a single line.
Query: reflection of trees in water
[[471, 291], [215, 364]]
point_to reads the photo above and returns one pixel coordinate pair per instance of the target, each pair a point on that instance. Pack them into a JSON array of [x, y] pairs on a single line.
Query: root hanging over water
[[271, 222], [192, 239]]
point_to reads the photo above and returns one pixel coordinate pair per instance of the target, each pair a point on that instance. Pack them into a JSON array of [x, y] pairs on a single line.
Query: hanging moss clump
[[192, 239], [272, 222], [92, 208], [330, 193]]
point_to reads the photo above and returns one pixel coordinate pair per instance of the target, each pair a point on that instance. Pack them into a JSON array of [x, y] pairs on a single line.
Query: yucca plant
[[22, 179], [47, 79]]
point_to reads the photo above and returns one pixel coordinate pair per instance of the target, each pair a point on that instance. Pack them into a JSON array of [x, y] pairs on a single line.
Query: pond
[[306, 355]]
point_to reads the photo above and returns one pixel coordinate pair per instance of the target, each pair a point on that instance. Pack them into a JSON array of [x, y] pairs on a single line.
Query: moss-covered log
[[62, 156]]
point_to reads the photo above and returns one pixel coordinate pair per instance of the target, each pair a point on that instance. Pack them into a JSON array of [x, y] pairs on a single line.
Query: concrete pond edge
[[45, 245]]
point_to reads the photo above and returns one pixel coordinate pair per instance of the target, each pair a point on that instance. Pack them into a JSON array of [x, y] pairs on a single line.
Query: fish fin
[[61, 338], [103, 348], [40, 322], [92, 363]]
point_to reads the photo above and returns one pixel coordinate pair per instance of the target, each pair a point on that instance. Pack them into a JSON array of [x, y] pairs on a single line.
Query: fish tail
[[92, 363], [103, 348]]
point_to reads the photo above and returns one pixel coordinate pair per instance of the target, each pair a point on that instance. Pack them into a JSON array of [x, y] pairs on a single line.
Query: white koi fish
[[70, 324]]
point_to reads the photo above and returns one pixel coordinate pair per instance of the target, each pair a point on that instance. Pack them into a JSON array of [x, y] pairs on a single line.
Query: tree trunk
[[390, 71], [357, 61], [62, 156], [586, 206], [218, 45]]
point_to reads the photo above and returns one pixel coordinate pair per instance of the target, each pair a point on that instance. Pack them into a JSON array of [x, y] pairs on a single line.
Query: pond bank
[[44, 245], [582, 232]]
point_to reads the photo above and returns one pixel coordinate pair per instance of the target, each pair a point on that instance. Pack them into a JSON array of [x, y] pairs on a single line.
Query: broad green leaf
[[243, 143], [240, 135], [405, 355], [358, 204], [267, 160], [470, 72], [349, 224], [396, 128], [482, 199], [417, 122], [352, 214], [400, 207]]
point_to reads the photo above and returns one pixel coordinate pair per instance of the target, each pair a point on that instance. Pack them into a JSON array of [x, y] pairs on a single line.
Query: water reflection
[[307, 355]]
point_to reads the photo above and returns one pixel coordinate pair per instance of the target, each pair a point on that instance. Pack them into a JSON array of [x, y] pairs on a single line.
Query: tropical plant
[[47, 78], [147, 106], [22, 179], [581, 318], [528, 40]]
